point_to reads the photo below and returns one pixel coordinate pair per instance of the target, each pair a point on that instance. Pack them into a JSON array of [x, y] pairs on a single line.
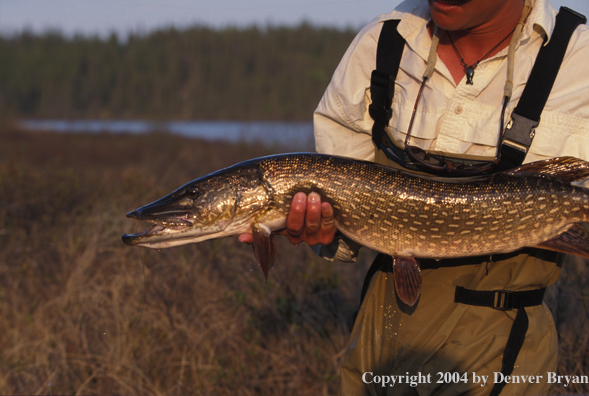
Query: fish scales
[[402, 214], [387, 210], [394, 212]]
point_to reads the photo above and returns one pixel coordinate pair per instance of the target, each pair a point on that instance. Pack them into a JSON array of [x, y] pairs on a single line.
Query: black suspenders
[[382, 81], [525, 117], [519, 133]]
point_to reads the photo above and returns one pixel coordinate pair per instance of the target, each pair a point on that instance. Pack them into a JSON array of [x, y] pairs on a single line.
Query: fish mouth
[[155, 231], [161, 228]]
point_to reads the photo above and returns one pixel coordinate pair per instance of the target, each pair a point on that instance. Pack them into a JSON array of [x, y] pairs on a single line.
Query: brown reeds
[[83, 314]]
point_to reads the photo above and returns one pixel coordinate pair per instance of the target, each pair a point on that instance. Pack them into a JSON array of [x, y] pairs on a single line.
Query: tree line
[[273, 73]]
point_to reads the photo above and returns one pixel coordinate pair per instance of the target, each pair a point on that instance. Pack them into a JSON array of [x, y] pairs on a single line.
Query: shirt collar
[[541, 19]]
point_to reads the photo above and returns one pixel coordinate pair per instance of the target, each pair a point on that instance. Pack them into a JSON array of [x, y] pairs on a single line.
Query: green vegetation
[[198, 73], [92, 316]]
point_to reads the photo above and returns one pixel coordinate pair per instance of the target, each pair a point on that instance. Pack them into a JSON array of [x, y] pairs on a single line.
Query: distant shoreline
[[297, 135]]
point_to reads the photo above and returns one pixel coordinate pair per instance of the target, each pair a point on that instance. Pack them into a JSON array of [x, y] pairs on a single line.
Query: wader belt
[[505, 300], [502, 300], [382, 260], [520, 131]]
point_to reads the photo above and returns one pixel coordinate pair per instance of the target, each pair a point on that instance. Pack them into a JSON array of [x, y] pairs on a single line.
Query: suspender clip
[[520, 132]]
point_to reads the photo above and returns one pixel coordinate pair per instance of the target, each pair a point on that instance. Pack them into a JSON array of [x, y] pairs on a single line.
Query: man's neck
[[474, 44], [477, 41]]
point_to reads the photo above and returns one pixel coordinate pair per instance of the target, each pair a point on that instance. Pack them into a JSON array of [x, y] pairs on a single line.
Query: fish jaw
[[161, 236], [175, 229], [225, 203]]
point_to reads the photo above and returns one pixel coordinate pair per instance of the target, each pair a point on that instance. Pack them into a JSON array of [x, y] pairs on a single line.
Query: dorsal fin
[[574, 241], [567, 169]]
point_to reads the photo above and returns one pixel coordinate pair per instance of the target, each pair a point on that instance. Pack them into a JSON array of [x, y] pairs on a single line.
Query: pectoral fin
[[407, 279], [575, 241], [264, 248]]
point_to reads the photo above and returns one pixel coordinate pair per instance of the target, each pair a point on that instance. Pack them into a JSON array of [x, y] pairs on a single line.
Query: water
[[297, 136]]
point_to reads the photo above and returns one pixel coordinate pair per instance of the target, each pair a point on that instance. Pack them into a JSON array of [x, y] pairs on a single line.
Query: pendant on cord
[[469, 75], [470, 69]]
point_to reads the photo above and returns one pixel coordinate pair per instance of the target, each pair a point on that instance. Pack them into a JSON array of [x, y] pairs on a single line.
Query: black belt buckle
[[503, 300]]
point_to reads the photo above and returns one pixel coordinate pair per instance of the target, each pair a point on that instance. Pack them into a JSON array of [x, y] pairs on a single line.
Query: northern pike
[[405, 215]]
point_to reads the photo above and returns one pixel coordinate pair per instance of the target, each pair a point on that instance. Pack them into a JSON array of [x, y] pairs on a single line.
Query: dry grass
[[79, 312], [84, 314]]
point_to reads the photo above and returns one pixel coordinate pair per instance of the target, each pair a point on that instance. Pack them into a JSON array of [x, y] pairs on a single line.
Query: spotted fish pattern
[[402, 214]]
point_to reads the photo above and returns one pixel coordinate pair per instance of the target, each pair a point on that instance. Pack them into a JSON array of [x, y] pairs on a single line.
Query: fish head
[[222, 204]]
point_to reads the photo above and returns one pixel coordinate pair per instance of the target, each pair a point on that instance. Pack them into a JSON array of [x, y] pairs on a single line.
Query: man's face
[[455, 15]]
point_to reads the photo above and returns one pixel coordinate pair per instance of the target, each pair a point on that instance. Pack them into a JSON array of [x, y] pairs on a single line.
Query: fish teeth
[[172, 223]]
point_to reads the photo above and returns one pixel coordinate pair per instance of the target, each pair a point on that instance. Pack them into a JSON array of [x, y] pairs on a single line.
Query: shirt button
[[459, 109]]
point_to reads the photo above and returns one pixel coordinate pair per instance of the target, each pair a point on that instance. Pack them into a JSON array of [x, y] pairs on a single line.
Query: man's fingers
[[295, 222], [327, 224], [327, 217], [313, 215], [308, 220]]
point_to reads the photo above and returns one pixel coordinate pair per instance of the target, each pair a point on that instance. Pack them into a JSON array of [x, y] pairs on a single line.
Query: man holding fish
[[467, 88], [463, 70]]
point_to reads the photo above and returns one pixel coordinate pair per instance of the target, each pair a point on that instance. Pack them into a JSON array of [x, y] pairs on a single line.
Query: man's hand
[[309, 220]]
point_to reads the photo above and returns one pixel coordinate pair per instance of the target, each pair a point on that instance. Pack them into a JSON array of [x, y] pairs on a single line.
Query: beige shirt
[[438, 335], [454, 119]]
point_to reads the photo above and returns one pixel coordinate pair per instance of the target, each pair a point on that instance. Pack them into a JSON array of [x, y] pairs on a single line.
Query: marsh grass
[[84, 314]]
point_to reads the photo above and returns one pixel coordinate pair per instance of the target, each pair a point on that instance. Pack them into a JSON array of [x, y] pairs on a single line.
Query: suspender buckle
[[504, 300], [520, 132]]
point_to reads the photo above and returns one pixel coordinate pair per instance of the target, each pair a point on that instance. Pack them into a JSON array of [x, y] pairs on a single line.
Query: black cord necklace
[[470, 69]]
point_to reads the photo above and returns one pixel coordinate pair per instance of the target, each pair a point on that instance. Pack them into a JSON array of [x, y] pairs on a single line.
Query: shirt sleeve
[[342, 124]]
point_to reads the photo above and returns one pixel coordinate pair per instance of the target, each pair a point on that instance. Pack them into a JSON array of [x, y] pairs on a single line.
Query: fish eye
[[192, 192]]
